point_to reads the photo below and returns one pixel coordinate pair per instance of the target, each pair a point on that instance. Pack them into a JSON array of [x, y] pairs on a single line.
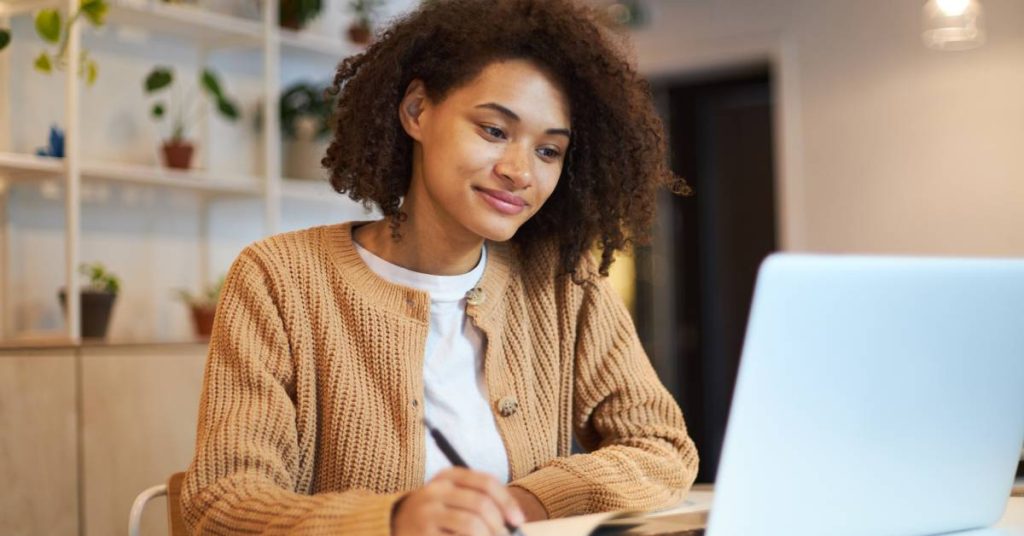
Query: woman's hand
[[457, 501]]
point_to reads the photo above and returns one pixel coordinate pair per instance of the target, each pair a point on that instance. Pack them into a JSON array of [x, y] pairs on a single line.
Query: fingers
[[458, 501], [465, 523], [479, 506], [487, 485]]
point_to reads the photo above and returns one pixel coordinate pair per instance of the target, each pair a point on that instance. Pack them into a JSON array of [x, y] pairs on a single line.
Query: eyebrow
[[512, 115]]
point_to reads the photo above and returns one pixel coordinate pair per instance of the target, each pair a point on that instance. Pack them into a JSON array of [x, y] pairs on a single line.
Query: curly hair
[[616, 159]]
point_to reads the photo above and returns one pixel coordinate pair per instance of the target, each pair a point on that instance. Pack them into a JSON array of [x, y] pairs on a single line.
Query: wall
[[885, 146]]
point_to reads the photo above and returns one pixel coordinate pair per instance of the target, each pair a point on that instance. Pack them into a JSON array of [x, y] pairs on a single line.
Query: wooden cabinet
[[38, 443], [83, 430]]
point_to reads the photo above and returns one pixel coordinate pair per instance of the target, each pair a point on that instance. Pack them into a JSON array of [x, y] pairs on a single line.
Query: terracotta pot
[[202, 320], [95, 310], [360, 34], [178, 154]]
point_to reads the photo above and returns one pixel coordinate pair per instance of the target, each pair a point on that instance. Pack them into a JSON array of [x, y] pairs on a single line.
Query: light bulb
[[953, 8], [952, 24]]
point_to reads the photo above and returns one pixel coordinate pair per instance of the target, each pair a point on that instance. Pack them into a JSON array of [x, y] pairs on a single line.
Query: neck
[[421, 248], [431, 242]]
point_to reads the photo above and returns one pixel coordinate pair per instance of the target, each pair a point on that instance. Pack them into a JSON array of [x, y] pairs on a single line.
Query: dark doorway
[[708, 247]]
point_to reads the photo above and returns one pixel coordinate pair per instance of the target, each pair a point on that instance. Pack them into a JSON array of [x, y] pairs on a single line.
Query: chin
[[501, 231]]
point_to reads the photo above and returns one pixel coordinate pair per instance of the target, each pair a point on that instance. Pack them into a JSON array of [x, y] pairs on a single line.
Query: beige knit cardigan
[[310, 416]]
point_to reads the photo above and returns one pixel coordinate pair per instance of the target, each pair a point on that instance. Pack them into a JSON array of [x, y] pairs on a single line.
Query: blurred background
[[144, 143]]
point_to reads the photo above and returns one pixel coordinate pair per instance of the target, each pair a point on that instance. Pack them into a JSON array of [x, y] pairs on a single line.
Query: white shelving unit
[[209, 32]]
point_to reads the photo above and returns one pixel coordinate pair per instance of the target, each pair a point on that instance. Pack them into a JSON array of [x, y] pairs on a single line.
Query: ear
[[410, 110]]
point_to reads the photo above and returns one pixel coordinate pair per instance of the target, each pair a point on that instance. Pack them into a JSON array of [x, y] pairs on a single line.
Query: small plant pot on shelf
[[303, 152], [295, 14], [202, 320], [360, 34], [96, 307], [178, 154]]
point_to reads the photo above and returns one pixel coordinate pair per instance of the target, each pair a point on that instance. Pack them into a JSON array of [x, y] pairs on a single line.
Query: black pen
[[457, 461]]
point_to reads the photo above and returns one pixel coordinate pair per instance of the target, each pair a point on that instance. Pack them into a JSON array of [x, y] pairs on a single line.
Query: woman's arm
[[639, 454], [247, 464]]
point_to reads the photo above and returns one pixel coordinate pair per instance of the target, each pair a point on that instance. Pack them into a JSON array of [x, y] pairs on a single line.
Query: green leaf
[[48, 25], [91, 70], [228, 109], [95, 11], [158, 110], [5, 38], [211, 84], [158, 79], [43, 63]]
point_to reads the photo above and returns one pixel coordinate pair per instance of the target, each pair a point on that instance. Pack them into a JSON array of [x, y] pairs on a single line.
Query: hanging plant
[[53, 30]]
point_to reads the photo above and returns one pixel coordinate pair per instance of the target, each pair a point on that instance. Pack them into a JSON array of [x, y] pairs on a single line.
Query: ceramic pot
[[95, 312]]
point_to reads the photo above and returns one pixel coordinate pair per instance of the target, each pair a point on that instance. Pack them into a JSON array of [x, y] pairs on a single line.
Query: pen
[[457, 461]]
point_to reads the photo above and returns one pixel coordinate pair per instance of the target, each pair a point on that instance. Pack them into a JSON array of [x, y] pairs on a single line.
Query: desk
[[1012, 523]]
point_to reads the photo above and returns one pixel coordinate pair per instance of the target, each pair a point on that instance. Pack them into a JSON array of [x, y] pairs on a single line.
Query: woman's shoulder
[[299, 251], [542, 268]]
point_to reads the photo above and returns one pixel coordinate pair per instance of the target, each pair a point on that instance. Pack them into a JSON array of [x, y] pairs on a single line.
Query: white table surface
[[1012, 523]]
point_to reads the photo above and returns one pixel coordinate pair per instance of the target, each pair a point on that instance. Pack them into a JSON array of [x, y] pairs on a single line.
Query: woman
[[502, 140]]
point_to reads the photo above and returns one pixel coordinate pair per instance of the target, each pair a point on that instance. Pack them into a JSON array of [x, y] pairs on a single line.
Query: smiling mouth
[[502, 202]]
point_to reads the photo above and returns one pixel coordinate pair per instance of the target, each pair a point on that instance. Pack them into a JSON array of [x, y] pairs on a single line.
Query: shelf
[[194, 24], [195, 180], [328, 48], [27, 168], [11, 8], [201, 26], [18, 167], [61, 341]]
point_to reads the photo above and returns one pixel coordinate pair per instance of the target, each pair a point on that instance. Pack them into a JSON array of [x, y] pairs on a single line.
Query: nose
[[515, 166]]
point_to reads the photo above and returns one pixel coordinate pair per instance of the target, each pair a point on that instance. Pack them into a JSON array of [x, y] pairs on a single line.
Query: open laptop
[[876, 396]]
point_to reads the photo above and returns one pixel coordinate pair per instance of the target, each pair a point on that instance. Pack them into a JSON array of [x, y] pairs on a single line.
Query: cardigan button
[[475, 296], [508, 406]]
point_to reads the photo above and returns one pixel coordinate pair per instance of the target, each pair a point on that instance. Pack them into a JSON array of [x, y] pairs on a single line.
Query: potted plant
[[365, 13], [5, 38], [203, 307], [50, 27], [305, 125], [295, 14], [97, 299], [177, 149]]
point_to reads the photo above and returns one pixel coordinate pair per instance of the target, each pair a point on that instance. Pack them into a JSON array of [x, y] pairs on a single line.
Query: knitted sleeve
[[639, 454], [246, 471]]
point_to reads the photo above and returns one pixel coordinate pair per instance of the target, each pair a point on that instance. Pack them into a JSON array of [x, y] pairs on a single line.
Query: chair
[[172, 489]]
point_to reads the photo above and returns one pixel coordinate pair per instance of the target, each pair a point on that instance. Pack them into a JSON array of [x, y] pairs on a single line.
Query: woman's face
[[489, 154]]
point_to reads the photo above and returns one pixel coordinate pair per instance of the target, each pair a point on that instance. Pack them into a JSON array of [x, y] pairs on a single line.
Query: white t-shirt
[[454, 390]]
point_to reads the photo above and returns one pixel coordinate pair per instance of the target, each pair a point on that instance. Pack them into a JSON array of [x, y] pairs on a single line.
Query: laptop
[[876, 396]]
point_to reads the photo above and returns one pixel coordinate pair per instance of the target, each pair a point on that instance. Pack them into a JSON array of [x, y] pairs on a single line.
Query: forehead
[[522, 87]]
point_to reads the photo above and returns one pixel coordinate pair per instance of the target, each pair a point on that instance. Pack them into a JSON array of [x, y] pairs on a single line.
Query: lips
[[503, 202]]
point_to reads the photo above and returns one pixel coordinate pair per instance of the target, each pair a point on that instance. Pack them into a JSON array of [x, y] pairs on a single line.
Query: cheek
[[547, 180]]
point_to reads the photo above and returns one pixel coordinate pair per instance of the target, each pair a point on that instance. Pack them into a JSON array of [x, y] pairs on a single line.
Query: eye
[[493, 131], [549, 153]]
